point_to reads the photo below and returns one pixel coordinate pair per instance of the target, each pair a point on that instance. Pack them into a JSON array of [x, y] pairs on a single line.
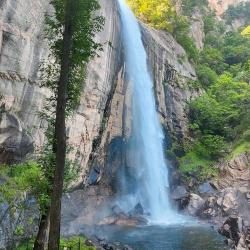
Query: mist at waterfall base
[[148, 166]]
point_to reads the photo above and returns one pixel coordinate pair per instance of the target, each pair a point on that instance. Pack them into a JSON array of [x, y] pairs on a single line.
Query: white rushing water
[[149, 165]]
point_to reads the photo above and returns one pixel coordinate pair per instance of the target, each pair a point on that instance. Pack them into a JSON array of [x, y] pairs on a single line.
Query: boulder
[[179, 192], [206, 188], [180, 196], [137, 211], [195, 204], [229, 200], [237, 233], [123, 220], [230, 229]]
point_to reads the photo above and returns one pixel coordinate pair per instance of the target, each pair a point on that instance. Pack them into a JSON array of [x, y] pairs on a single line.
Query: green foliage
[[69, 244], [202, 168], [206, 75], [20, 179], [242, 144], [188, 44], [213, 146], [83, 48], [246, 32], [222, 109], [213, 58], [209, 22], [154, 12], [180, 30], [73, 243], [236, 48], [162, 15]]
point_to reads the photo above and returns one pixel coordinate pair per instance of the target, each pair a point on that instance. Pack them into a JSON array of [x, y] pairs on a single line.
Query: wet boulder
[[116, 210], [195, 204], [179, 192], [137, 211], [237, 232], [180, 195]]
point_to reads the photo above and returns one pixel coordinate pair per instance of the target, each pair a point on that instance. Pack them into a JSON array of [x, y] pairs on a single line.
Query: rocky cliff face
[[102, 120], [22, 50]]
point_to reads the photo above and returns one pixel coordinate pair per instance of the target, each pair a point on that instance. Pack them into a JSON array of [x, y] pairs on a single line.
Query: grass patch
[[241, 146], [73, 243], [202, 168], [239, 149]]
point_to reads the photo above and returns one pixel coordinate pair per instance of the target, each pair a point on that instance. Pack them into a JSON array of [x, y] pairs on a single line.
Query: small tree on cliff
[[70, 33]]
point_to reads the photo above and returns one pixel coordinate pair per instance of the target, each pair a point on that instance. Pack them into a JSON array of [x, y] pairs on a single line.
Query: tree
[[213, 58], [154, 12], [60, 127], [206, 75], [246, 32], [70, 33]]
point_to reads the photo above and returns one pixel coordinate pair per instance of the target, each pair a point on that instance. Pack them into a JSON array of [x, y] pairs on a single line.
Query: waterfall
[[149, 166]]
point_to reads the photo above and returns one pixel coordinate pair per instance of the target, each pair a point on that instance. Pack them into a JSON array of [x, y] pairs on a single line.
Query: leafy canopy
[[246, 32], [153, 12]]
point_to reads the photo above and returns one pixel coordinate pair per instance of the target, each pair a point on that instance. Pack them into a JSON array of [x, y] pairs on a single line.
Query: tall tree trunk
[[40, 240], [55, 210]]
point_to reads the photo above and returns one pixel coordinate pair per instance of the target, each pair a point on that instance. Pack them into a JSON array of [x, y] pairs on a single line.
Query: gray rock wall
[[22, 49]]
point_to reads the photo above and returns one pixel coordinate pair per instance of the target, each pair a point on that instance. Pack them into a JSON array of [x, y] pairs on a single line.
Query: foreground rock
[[103, 244], [236, 232], [226, 201], [133, 218], [195, 204]]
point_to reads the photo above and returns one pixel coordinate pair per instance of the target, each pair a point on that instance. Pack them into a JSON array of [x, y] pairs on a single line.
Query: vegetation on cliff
[[219, 119]]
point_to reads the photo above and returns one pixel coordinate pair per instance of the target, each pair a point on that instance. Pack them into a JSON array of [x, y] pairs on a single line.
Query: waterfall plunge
[[149, 167]]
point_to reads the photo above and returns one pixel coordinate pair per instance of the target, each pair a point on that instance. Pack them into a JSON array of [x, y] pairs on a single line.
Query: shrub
[[214, 59], [214, 145], [206, 75]]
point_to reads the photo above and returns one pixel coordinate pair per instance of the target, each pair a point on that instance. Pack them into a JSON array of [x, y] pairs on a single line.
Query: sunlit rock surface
[[220, 6]]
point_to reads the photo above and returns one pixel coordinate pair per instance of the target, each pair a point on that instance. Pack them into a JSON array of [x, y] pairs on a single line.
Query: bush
[[213, 58], [209, 22], [206, 75], [202, 168], [214, 145], [189, 46]]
